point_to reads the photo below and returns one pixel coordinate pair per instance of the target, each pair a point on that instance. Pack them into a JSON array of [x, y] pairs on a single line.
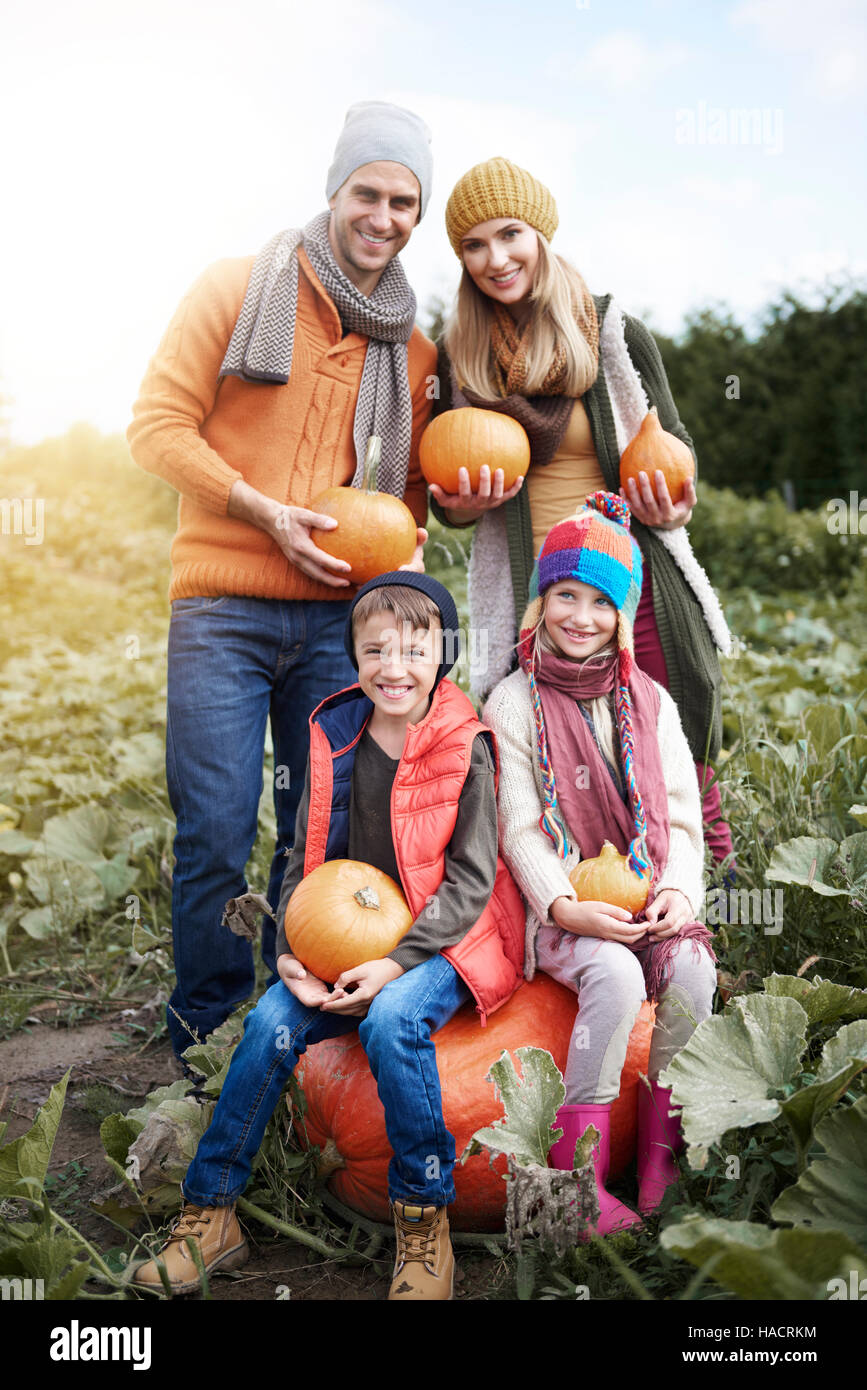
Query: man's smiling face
[[372, 217]]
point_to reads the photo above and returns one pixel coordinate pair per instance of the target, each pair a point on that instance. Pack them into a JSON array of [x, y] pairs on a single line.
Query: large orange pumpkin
[[375, 532], [652, 448], [344, 913], [609, 879], [345, 1116], [469, 437]]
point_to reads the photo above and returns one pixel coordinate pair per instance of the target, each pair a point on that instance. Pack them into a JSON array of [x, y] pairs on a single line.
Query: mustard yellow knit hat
[[498, 188]]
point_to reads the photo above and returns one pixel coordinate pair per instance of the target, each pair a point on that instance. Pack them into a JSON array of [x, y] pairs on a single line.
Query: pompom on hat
[[596, 547], [498, 188]]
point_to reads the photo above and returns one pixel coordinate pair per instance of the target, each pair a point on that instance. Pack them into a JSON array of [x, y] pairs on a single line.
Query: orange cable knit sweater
[[289, 441]]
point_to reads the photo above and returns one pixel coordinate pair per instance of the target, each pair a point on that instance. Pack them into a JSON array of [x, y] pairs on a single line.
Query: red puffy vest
[[424, 807]]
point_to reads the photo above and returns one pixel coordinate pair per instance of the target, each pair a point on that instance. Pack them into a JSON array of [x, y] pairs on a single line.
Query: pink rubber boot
[[659, 1139], [574, 1119]]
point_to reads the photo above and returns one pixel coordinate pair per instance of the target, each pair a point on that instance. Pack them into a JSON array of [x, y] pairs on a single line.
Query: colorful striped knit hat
[[596, 547]]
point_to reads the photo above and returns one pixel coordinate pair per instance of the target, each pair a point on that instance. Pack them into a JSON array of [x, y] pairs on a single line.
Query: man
[[270, 379]]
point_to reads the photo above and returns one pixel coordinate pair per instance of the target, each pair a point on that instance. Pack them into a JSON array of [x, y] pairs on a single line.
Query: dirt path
[[111, 1071]]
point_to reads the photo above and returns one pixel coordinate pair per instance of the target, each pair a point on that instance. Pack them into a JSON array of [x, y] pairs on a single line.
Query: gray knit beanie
[[377, 130]]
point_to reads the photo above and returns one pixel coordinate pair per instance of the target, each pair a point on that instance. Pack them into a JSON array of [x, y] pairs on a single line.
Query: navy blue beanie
[[436, 592]]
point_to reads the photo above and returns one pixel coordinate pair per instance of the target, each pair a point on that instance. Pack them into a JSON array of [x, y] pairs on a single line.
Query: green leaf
[[13, 842], [80, 835], [832, 1193], [725, 1075], [69, 885], [38, 923], [24, 1161], [823, 1000], [851, 859], [805, 860], [844, 1056], [762, 1264], [530, 1107], [857, 812]]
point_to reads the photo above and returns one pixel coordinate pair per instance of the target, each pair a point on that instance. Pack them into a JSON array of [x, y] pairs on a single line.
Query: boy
[[401, 776]]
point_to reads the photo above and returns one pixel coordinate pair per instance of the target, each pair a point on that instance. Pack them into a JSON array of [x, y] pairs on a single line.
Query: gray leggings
[[610, 980]]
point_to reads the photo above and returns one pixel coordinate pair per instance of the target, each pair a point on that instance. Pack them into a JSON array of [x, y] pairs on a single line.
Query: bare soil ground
[[111, 1070]]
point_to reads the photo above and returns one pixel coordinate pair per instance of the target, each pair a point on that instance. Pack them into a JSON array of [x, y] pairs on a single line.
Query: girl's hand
[[669, 911], [664, 514], [308, 990], [369, 978], [466, 505], [602, 920]]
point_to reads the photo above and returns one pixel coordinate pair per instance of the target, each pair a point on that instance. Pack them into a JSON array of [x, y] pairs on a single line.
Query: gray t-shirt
[[470, 866]]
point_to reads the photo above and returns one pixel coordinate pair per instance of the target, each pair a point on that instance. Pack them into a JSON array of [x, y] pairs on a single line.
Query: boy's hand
[[308, 990], [369, 978], [669, 911]]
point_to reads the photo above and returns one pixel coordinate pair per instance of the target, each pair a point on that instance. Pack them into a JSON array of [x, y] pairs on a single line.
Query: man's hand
[[308, 990], [662, 513], [290, 527], [370, 977], [602, 920], [669, 911], [417, 561], [466, 505]]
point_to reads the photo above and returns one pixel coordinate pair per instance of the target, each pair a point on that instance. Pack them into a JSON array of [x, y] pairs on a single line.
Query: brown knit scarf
[[509, 349]]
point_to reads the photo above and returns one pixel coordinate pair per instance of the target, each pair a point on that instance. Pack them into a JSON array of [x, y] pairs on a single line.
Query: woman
[[527, 338]]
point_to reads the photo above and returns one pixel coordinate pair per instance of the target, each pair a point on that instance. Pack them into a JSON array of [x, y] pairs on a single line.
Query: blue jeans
[[233, 663], [396, 1035]]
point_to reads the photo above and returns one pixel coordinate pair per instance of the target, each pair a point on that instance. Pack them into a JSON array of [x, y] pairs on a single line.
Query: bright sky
[[147, 138]]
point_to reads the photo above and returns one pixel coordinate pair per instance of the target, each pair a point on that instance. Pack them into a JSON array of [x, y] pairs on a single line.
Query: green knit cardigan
[[691, 656]]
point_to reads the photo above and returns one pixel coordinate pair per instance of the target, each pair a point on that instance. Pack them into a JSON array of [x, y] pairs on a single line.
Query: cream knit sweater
[[536, 867]]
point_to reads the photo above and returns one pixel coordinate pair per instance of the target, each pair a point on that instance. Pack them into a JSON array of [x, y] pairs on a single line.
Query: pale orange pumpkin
[[375, 532], [609, 879], [342, 914], [469, 437], [345, 1117], [652, 448]]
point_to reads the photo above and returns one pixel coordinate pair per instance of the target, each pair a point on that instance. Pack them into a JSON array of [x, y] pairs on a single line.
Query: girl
[[592, 750], [527, 338]]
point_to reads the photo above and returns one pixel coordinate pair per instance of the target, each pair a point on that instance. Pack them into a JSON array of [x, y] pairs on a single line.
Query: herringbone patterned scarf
[[260, 348]]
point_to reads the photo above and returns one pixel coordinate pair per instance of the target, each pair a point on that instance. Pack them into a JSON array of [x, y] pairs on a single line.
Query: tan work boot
[[424, 1265], [221, 1243]]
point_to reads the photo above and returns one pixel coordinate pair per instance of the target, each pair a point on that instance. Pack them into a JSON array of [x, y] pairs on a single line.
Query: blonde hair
[[556, 297], [599, 707]]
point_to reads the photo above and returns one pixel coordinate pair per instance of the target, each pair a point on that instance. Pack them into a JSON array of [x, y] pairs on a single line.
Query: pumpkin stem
[[367, 897], [371, 463]]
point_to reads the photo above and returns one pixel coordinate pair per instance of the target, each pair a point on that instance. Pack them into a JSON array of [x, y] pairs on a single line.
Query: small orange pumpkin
[[375, 532], [652, 448], [346, 1119], [469, 437], [342, 914], [609, 879]]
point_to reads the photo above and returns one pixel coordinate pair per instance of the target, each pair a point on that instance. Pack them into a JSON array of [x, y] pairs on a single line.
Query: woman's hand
[[602, 920], [466, 505], [669, 911], [664, 514]]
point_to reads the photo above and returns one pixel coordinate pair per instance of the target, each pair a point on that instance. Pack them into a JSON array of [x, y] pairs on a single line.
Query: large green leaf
[[805, 860], [758, 1263], [725, 1076], [85, 835], [832, 1193], [530, 1107], [24, 1161], [843, 1057], [64, 884], [823, 1000], [851, 859]]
